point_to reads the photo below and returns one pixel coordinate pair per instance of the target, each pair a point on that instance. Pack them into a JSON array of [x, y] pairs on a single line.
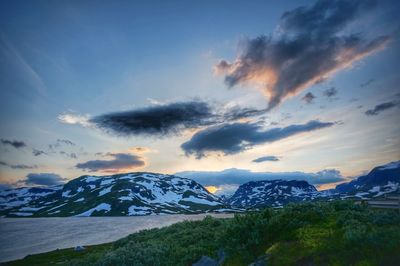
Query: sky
[[220, 91]]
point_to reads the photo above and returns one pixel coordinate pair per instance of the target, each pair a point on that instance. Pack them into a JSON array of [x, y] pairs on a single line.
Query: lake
[[20, 237]]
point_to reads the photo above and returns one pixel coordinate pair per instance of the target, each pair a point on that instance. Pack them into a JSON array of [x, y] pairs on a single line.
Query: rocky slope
[[13, 198], [125, 194], [274, 193], [382, 180]]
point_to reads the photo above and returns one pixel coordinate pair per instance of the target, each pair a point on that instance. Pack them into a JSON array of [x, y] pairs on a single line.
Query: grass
[[335, 233]]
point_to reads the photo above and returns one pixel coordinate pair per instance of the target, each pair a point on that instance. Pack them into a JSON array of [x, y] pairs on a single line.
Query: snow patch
[[105, 191], [101, 207]]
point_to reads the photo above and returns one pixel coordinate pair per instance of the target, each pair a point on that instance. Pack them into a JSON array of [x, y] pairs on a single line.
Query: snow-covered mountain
[[384, 179], [150, 193], [273, 193], [123, 194], [16, 197]]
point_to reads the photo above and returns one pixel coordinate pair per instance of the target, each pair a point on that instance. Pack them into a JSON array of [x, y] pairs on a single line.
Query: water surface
[[20, 237]]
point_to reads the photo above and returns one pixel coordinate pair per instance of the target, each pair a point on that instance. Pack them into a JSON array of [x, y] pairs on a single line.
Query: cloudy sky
[[239, 90]]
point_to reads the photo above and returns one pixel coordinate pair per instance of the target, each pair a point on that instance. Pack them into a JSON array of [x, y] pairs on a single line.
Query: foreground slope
[[124, 194]]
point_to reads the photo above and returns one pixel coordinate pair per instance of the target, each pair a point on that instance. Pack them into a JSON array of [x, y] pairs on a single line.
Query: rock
[[205, 261], [79, 248]]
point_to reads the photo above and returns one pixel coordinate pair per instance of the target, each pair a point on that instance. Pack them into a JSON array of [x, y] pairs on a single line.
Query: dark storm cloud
[[43, 179], [329, 93], [18, 166], [158, 120], [381, 107], [15, 143], [169, 118], [269, 158], [309, 97], [119, 161], [240, 176], [237, 137], [310, 45], [36, 152]]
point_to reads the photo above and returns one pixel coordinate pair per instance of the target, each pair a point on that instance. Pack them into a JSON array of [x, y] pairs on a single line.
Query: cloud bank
[[43, 179], [241, 176], [311, 44], [118, 162], [237, 137]]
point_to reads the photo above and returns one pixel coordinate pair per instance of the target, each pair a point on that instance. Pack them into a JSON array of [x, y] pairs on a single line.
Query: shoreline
[[27, 236]]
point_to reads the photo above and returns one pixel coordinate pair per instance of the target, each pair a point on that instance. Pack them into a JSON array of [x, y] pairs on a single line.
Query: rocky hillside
[[384, 179], [273, 193], [124, 194], [13, 198]]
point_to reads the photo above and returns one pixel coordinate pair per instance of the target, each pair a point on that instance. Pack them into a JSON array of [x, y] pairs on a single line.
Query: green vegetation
[[335, 233]]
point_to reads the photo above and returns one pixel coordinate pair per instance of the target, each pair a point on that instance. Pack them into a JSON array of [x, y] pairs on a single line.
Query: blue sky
[[79, 60]]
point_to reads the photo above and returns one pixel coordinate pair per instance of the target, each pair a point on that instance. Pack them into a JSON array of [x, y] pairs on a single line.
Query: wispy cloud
[[18, 166], [37, 152], [381, 107], [27, 72], [367, 83], [14, 143], [269, 158], [312, 44], [74, 119], [309, 97], [237, 137], [329, 93]]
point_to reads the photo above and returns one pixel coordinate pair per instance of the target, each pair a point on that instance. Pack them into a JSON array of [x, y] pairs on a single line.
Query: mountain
[[123, 194], [384, 179], [274, 193], [150, 193], [16, 197]]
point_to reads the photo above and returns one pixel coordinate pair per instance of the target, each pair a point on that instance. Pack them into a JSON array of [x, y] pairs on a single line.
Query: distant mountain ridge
[[274, 193], [20, 196], [381, 179], [144, 193]]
